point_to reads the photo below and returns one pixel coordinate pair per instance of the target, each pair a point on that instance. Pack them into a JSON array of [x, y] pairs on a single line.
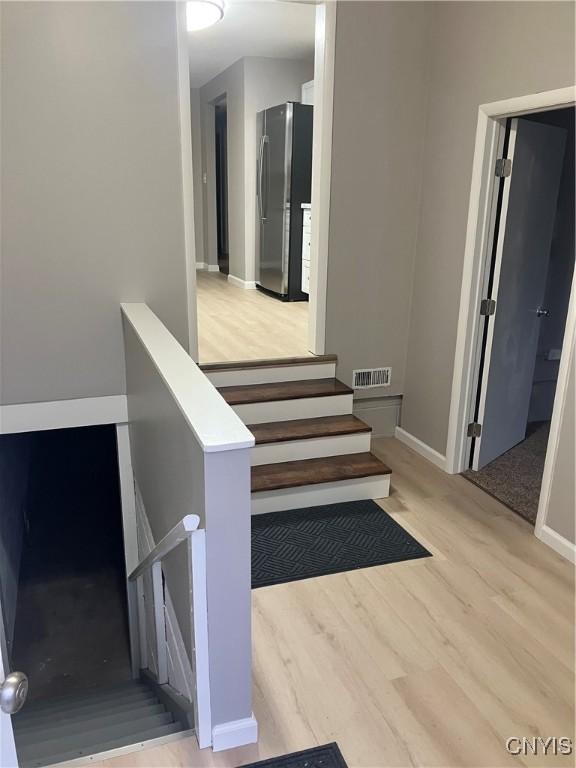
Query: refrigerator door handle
[[261, 208]]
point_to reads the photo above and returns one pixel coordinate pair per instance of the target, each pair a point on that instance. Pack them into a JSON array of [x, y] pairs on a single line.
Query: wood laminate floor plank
[[238, 324], [432, 662]]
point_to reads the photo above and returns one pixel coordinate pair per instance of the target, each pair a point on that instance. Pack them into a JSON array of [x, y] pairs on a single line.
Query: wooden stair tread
[[274, 362], [283, 390], [303, 429], [331, 469]]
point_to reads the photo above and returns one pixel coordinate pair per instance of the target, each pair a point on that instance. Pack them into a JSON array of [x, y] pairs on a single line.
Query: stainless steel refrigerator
[[284, 173]]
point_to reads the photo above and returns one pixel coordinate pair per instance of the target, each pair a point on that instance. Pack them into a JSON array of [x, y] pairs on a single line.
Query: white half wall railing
[[191, 463]]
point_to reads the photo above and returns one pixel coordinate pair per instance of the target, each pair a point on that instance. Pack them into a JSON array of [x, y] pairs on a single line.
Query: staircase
[[75, 727], [310, 449]]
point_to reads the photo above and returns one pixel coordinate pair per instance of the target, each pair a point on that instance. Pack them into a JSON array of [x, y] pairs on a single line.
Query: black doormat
[[328, 756], [315, 541]]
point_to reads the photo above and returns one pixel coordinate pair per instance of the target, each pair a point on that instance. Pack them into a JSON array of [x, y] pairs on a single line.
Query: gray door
[[520, 269], [274, 186]]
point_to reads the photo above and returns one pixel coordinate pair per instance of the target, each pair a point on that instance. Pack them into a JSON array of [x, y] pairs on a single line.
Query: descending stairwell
[[310, 449], [74, 727]]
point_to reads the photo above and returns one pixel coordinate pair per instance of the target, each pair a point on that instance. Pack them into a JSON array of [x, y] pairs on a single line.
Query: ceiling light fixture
[[203, 13]]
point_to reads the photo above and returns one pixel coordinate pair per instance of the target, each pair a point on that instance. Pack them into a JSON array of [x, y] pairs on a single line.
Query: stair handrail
[[188, 531], [178, 534]]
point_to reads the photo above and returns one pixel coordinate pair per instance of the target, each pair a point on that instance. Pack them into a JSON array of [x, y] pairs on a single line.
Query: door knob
[[541, 312], [13, 692]]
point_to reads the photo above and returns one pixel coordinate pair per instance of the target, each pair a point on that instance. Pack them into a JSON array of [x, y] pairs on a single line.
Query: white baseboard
[[559, 544], [250, 284], [201, 265], [63, 414], [236, 733], [424, 450]]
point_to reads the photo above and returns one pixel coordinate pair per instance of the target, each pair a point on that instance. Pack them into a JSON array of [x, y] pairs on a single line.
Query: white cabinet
[[308, 92], [306, 235]]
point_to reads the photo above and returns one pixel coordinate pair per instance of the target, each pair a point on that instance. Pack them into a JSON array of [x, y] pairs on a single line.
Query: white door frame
[[325, 34], [324, 54], [187, 176], [488, 132], [89, 412]]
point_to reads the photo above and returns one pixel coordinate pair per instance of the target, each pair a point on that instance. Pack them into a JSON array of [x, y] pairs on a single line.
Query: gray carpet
[[515, 477]]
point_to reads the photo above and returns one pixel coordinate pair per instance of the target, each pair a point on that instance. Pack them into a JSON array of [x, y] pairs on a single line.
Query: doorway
[[527, 280], [70, 621], [221, 156]]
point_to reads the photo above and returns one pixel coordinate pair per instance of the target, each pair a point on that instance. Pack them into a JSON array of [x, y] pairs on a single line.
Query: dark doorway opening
[[221, 138], [514, 475], [71, 626]]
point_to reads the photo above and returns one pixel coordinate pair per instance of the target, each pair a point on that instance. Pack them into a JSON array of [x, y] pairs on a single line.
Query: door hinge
[[487, 307], [474, 429], [503, 167]]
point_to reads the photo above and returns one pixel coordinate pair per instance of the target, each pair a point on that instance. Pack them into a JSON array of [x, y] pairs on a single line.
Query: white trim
[[310, 448], [180, 674], [287, 410], [324, 53], [474, 257], [185, 120], [559, 544], [567, 361], [239, 283], [357, 489], [236, 733], [203, 266], [202, 700], [130, 536], [210, 418], [235, 377], [417, 445], [62, 414]]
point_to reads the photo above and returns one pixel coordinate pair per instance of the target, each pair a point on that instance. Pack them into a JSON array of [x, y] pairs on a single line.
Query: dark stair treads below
[[71, 727], [331, 469], [283, 390], [304, 429]]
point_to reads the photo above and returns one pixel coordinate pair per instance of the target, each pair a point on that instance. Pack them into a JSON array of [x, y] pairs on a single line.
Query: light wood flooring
[[239, 324], [434, 662]]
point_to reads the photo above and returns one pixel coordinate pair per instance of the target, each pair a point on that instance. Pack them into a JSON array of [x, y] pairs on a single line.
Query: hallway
[[239, 324]]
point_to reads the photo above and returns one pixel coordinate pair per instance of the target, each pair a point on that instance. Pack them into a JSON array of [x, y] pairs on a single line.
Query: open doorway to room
[[221, 146], [527, 286], [252, 110]]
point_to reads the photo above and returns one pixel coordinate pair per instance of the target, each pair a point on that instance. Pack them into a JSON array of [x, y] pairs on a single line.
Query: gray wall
[[380, 98], [91, 190], [15, 451], [407, 84], [250, 85], [562, 503], [480, 52], [196, 126]]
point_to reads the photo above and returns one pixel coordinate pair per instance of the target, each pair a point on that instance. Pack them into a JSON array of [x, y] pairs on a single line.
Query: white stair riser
[[244, 377], [377, 487], [311, 448], [288, 410]]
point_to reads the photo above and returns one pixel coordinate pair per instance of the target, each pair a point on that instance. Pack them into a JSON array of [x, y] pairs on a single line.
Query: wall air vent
[[365, 378]]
